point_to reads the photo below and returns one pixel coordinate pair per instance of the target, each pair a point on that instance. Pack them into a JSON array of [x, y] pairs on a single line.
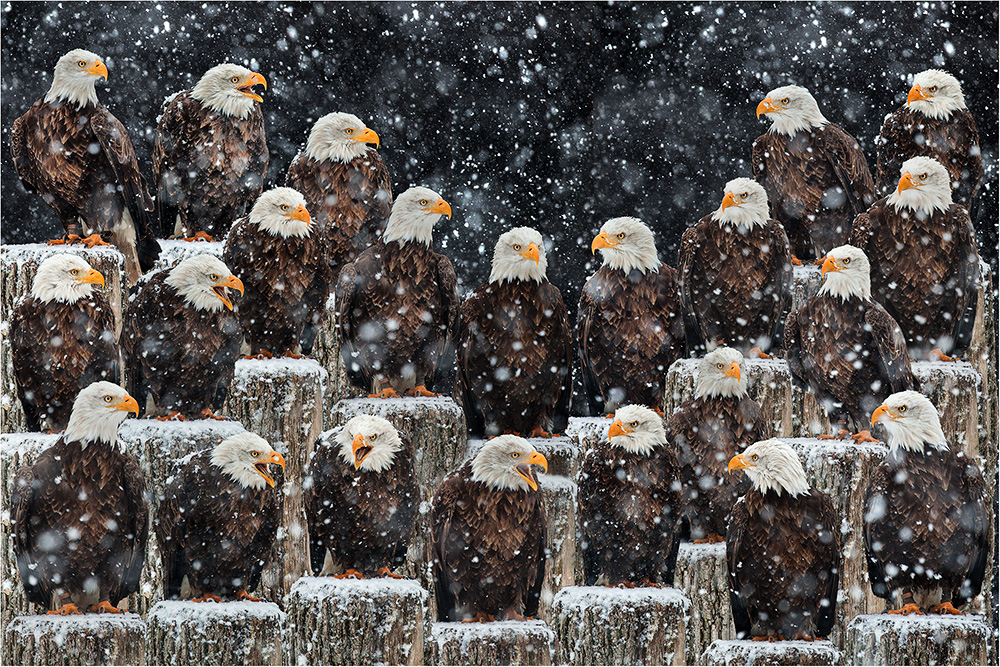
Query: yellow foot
[[105, 607], [864, 436], [625, 584], [349, 574], [172, 417], [807, 638], [713, 538], [610, 415], [208, 414], [756, 352], [539, 432], [69, 239], [292, 355], [795, 262], [907, 609], [840, 435], [208, 597], [937, 355], [769, 638], [65, 610], [93, 240], [480, 618], [658, 410], [946, 608], [263, 354], [243, 595], [512, 615], [199, 236], [386, 572], [421, 390], [388, 392]]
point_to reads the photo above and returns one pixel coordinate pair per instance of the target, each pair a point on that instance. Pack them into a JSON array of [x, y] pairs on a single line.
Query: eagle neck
[[81, 92], [846, 287], [790, 126]]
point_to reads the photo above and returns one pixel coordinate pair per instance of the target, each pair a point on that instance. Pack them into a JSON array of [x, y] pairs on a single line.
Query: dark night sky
[[554, 116]]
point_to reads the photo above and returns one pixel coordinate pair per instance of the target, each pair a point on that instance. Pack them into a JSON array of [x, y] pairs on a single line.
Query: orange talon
[[937, 355], [758, 353], [349, 574], [421, 390], [386, 572], [539, 432], [907, 609], [65, 610], [840, 436], [172, 417], [292, 355], [199, 236], [93, 240], [713, 538], [479, 618], [610, 415], [388, 392], [69, 239], [208, 414], [863, 436], [946, 608], [657, 410], [795, 262], [105, 607], [513, 616], [208, 597], [243, 595]]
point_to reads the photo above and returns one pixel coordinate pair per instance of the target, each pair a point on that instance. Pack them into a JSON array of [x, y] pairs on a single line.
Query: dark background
[[554, 116]]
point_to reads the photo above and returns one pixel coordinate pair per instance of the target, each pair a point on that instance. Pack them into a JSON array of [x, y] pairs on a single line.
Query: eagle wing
[[785, 278], [168, 527], [557, 328], [851, 168], [447, 282], [826, 540], [976, 517], [893, 358], [967, 277], [28, 339], [793, 350], [21, 510], [691, 241], [136, 525], [442, 513], [875, 493], [586, 317], [465, 345], [169, 145], [734, 554], [537, 527]]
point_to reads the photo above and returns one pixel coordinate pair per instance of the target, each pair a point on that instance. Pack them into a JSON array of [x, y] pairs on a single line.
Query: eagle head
[[98, 411], [65, 278], [924, 186], [368, 442], [911, 421], [75, 77], [203, 281], [507, 463], [720, 373], [791, 109], [627, 244], [413, 216], [281, 212], [519, 256], [228, 89], [847, 273], [637, 429], [936, 93], [340, 137], [772, 465], [246, 458], [745, 204]]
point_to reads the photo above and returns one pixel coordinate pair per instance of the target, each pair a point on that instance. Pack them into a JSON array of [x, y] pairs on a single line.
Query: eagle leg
[[69, 239], [711, 538], [208, 597], [208, 414], [479, 618], [539, 432], [65, 610], [243, 595], [937, 355], [839, 436], [93, 240], [757, 353], [351, 573], [946, 608], [173, 416], [199, 236], [386, 572], [388, 392], [907, 609], [864, 436], [105, 607], [421, 390]]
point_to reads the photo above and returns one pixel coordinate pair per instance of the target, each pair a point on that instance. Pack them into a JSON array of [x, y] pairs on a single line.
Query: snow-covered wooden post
[[207, 633], [18, 265], [88, 639], [587, 432], [596, 625], [355, 622], [806, 281], [886, 639], [175, 251], [497, 643], [704, 577], [748, 652], [281, 400], [955, 390]]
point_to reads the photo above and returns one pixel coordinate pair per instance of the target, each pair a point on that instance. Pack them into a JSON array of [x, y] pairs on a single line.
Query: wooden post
[[281, 400], [175, 251], [355, 622], [806, 281], [954, 389], [326, 350], [88, 639], [747, 652], [587, 432], [884, 639], [703, 575], [560, 516], [596, 625], [209, 633], [497, 643], [18, 265]]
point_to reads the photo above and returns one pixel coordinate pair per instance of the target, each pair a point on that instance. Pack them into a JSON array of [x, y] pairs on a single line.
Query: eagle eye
[[744, 195], [284, 207], [373, 436], [235, 79], [74, 272], [932, 88], [81, 63], [784, 100], [718, 365], [107, 399], [515, 455], [902, 408], [634, 424], [214, 277], [349, 131], [923, 176], [423, 202], [255, 454], [517, 247], [846, 260], [620, 235], [754, 457]]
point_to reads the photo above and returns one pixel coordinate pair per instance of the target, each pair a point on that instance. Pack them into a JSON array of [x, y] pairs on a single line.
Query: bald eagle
[[515, 345], [934, 122], [91, 179], [345, 183], [361, 499], [735, 271], [62, 339], [79, 514], [630, 503], [487, 540], [278, 256], [210, 156], [927, 530], [925, 264], [218, 519], [181, 339], [844, 348], [397, 303], [782, 549], [707, 431], [815, 173], [629, 323]]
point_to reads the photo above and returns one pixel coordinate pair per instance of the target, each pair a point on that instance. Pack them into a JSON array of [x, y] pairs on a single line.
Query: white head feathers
[[637, 429], [924, 186], [847, 274], [245, 457], [202, 281], [627, 244], [65, 278], [936, 94], [519, 255], [413, 216], [772, 465], [720, 374], [75, 77], [369, 442], [911, 421], [281, 212], [98, 411], [507, 463], [791, 109], [228, 89], [745, 204], [340, 137]]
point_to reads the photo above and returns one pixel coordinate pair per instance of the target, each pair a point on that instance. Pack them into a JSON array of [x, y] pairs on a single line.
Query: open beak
[[767, 106], [906, 183], [300, 214], [220, 289], [247, 87], [738, 462], [734, 371], [126, 403], [618, 429], [729, 200], [528, 473], [367, 137], [98, 69], [830, 264], [531, 253], [442, 207], [917, 94], [261, 466], [602, 241], [361, 450], [879, 411], [92, 276]]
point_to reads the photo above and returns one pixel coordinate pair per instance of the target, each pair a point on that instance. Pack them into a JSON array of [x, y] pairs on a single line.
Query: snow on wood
[[806, 281], [209, 633], [954, 389], [597, 625], [175, 251], [281, 400], [326, 350], [559, 493], [88, 639], [746, 652], [885, 639], [355, 622], [18, 265], [703, 575], [587, 431], [496, 643]]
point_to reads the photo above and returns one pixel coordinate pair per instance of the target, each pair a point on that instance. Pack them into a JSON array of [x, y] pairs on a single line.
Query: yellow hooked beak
[[367, 137], [906, 182], [879, 411], [247, 87], [220, 291], [917, 94], [734, 371], [603, 241], [92, 276], [98, 69], [830, 264], [739, 462], [766, 106], [531, 253], [300, 214], [361, 450], [126, 403], [262, 463], [729, 200], [525, 471], [442, 207], [618, 429]]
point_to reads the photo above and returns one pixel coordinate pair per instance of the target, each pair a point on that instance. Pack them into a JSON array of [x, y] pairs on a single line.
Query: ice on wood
[[747, 652], [207, 633], [88, 639], [886, 639], [496, 643]]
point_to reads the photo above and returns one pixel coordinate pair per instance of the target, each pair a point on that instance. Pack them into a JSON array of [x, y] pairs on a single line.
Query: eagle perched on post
[[210, 156], [92, 180]]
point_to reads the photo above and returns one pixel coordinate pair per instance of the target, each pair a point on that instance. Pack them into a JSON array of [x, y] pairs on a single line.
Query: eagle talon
[[172, 417], [839, 436], [243, 595], [757, 353], [208, 597], [946, 608], [200, 236], [795, 262], [350, 573], [208, 414], [105, 607], [65, 610], [539, 432], [512, 615], [386, 572], [907, 609], [388, 392], [863, 436], [421, 390], [937, 355], [293, 355], [711, 538], [93, 240], [479, 618]]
